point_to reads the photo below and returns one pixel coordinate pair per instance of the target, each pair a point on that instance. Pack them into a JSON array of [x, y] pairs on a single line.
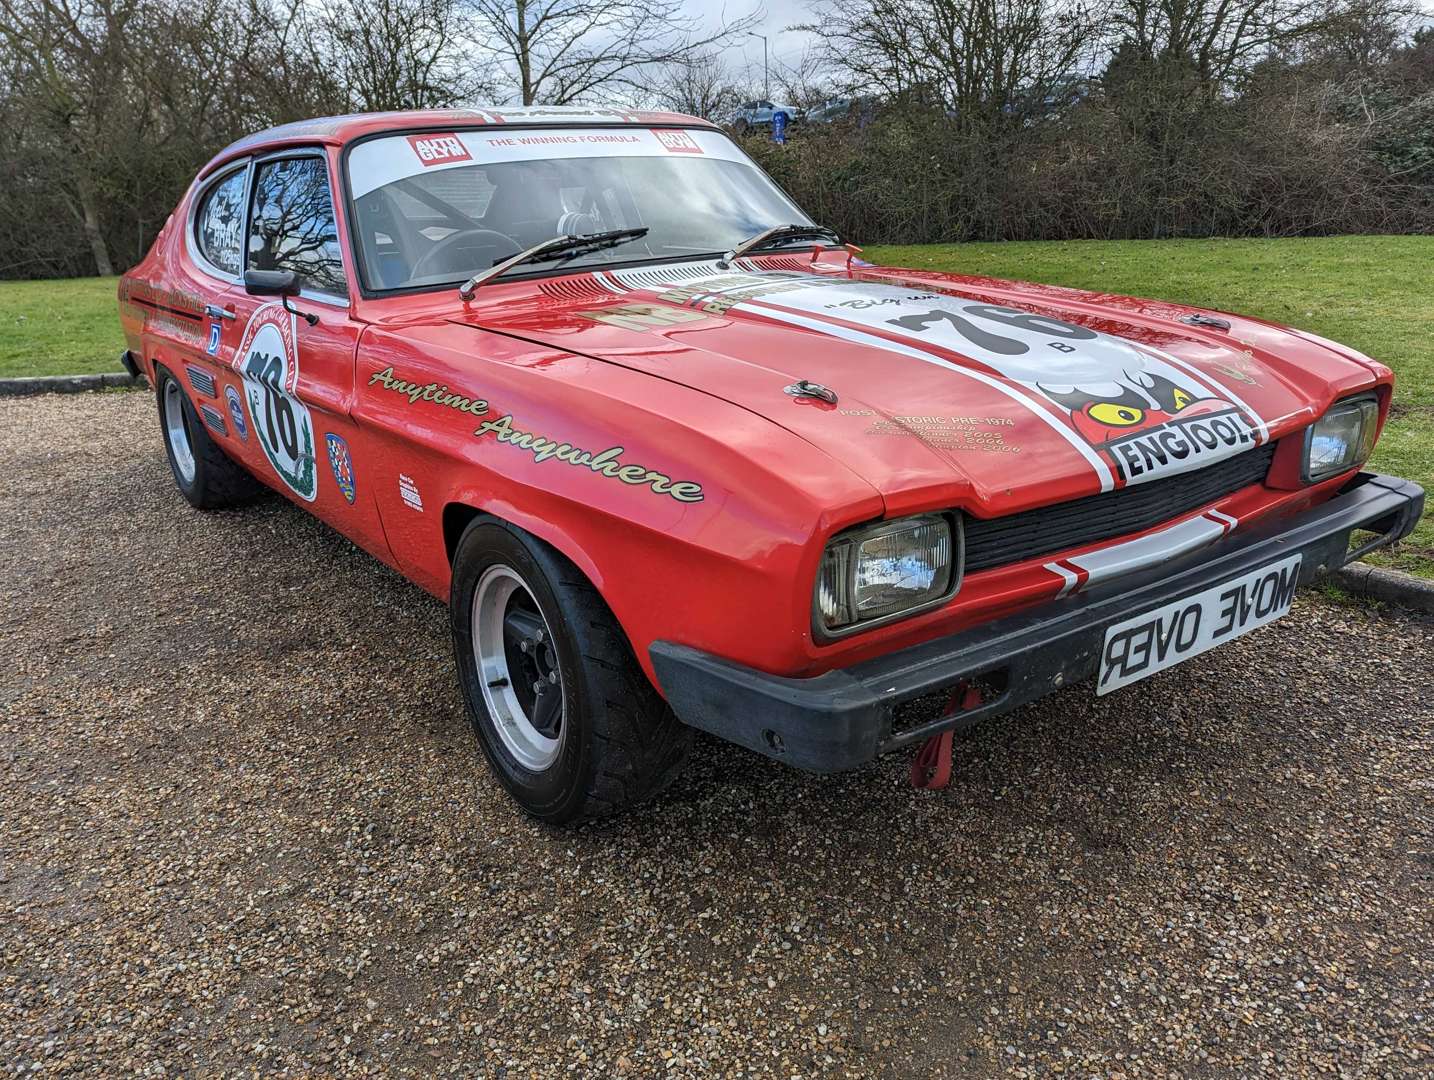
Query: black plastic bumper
[[844, 718]]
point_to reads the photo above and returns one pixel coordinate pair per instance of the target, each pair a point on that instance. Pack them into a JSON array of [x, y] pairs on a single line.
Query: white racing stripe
[[771, 308], [1220, 389], [781, 314], [1070, 580], [1092, 364]]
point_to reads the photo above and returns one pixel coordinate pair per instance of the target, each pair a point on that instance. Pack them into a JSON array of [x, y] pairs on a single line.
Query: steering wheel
[[429, 261]]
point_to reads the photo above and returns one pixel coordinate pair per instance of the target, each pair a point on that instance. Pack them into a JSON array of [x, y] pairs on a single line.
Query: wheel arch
[[460, 513]]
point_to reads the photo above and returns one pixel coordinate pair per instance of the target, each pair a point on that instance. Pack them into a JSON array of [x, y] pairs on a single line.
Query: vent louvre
[[214, 420], [660, 277], [1050, 529], [583, 288], [781, 262], [201, 380]]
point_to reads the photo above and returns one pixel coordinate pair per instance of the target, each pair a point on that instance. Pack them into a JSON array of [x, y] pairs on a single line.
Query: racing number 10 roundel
[[268, 361]]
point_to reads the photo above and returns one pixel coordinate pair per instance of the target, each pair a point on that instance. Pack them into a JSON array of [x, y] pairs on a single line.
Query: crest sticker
[[342, 465], [268, 361], [236, 413]]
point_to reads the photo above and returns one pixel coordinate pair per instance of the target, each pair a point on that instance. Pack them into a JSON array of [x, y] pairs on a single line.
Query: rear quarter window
[[219, 224]]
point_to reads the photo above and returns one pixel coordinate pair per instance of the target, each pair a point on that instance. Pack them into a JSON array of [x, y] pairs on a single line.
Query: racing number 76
[[991, 341]]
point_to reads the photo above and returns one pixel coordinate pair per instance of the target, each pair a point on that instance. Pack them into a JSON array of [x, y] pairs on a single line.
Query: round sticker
[[268, 360]]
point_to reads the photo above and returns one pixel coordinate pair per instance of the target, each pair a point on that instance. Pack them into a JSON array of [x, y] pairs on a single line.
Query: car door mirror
[[280, 283], [271, 283]]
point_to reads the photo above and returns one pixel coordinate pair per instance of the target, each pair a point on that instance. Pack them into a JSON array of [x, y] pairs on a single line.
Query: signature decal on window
[[606, 463]]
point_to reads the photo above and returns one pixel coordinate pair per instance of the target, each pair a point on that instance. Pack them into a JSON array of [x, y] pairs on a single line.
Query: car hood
[[948, 390]]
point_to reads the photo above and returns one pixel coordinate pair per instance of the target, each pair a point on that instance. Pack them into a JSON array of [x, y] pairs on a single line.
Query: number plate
[[1162, 638]]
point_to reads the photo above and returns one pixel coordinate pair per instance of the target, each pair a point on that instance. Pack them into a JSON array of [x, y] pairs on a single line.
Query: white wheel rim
[[517, 668], [176, 431]]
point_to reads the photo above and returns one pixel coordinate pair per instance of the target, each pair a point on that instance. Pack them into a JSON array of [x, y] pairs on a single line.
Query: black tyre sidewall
[[193, 491], [557, 793]]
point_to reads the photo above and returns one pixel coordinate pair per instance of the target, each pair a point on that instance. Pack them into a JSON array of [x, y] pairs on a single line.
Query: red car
[[677, 459]]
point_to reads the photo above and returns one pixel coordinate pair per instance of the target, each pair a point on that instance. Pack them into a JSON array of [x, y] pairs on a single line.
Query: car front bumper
[[844, 718]]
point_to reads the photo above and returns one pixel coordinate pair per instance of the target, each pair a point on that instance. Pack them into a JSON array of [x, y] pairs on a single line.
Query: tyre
[[564, 714], [205, 474]]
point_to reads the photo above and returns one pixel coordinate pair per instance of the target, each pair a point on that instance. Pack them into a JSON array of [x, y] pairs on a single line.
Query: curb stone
[[68, 384], [1391, 586]]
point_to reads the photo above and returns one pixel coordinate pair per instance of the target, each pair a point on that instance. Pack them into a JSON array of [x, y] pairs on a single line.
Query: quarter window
[[291, 224], [220, 223]]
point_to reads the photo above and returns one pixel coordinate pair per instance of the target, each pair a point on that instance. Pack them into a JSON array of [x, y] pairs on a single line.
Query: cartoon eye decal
[[1115, 415], [1167, 395]]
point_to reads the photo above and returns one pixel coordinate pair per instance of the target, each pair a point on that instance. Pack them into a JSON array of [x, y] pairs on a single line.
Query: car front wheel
[[562, 711]]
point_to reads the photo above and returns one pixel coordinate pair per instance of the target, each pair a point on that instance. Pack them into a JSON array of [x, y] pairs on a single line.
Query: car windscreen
[[435, 208]]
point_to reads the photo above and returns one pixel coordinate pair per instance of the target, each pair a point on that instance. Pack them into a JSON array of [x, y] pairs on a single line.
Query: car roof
[[338, 130]]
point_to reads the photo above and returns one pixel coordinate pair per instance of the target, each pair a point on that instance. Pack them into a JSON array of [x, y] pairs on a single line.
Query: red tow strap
[[932, 768]]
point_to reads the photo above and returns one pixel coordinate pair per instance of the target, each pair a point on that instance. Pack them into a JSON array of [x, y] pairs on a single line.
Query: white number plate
[[1162, 638]]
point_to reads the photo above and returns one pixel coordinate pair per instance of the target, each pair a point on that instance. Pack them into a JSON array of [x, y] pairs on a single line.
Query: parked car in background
[[761, 114], [677, 460], [857, 110]]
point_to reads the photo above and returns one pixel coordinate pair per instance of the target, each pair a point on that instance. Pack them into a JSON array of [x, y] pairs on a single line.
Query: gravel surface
[[245, 829]]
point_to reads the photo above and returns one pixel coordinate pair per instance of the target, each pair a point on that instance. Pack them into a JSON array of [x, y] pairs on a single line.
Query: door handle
[[214, 311]]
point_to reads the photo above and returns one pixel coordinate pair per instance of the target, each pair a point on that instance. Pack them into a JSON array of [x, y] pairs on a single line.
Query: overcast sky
[[779, 14]]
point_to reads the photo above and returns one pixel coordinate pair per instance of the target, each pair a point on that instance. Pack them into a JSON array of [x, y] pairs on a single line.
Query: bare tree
[[700, 85], [392, 54], [1212, 40], [1354, 37], [561, 51], [807, 81], [979, 59], [67, 60]]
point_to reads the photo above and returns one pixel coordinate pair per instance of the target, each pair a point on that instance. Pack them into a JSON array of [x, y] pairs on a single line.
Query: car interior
[[444, 226]]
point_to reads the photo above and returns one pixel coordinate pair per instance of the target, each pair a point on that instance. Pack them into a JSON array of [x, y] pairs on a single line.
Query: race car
[[677, 458]]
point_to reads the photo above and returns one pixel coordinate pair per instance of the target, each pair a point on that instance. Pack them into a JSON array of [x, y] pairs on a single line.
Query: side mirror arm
[[308, 316], [280, 283]]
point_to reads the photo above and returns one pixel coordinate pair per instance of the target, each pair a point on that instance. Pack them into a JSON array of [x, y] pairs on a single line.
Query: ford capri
[[678, 459]]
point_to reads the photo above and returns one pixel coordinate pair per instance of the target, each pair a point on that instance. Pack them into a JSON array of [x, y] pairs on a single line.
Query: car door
[[186, 307], [292, 362]]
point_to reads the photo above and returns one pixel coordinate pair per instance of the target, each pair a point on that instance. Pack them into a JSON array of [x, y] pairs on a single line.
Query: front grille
[[1049, 529]]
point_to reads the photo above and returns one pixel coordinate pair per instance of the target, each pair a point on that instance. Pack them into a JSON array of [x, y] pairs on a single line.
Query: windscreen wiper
[[775, 233], [559, 247]]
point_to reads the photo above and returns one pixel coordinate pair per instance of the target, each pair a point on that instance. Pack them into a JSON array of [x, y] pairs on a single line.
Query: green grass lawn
[[1370, 292], [66, 327]]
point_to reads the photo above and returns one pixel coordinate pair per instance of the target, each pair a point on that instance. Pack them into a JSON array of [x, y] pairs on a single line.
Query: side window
[[220, 221], [291, 224]]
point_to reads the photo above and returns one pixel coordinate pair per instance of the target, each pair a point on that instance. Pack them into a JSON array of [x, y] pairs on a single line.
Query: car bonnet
[[960, 390]]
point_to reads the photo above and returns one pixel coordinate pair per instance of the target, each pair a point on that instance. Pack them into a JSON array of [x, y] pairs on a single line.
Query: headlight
[[882, 571], [1341, 439]]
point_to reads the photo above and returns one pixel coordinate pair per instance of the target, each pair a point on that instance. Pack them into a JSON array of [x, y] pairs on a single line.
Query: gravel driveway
[[243, 827]]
